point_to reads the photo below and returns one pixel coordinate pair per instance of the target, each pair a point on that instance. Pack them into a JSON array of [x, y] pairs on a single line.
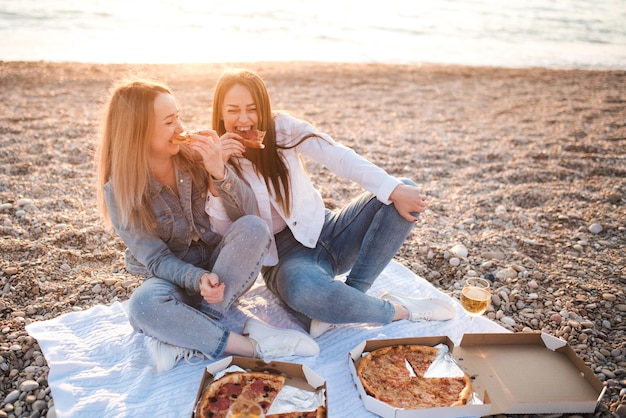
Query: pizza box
[[512, 373], [298, 375]]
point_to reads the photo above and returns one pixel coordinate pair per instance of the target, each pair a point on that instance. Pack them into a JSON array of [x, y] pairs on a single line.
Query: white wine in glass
[[475, 296]]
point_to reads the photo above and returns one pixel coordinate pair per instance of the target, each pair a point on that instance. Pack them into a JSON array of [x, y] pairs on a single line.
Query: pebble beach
[[524, 170]]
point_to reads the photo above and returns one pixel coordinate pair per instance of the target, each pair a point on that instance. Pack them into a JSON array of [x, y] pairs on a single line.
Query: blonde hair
[[122, 155]]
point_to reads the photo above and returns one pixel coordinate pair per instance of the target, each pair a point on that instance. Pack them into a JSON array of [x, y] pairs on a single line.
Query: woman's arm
[[339, 159], [151, 251], [237, 195]]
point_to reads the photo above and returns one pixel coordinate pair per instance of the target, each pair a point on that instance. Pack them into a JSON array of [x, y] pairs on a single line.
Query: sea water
[[509, 33]]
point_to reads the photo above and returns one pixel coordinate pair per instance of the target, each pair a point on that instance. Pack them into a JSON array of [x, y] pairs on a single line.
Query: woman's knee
[[252, 227], [148, 298]]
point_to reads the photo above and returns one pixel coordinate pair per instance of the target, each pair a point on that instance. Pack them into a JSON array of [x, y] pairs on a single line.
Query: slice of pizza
[[434, 392], [258, 387], [252, 138], [183, 138], [383, 373]]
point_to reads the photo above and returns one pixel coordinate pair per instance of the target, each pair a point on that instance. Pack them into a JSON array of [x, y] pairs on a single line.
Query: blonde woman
[[152, 190]]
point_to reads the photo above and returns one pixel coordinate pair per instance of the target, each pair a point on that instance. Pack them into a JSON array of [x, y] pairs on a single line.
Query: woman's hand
[[208, 144], [408, 200], [211, 289], [231, 146]]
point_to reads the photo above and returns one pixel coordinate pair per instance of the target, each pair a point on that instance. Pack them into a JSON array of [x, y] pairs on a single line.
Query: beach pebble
[[11, 270], [507, 273], [459, 250], [28, 385], [12, 396], [109, 281], [454, 261], [614, 197], [502, 213], [595, 228], [556, 318], [507, 320], [493, 255], [486, 265], [23, 202]]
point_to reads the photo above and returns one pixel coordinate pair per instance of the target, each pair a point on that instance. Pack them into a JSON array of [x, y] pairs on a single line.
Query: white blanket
[[100, 367]]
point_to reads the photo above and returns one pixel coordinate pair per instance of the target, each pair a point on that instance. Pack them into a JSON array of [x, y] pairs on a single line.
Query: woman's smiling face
[[166, 126], [239, 111]]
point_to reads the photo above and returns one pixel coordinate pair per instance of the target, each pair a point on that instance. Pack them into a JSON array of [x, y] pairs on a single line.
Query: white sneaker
[[274, 342], [166, 355], [426, 309], [318, 327]]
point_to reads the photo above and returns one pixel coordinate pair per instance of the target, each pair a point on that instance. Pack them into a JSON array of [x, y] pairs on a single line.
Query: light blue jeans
[[361, 238], [174, 315]]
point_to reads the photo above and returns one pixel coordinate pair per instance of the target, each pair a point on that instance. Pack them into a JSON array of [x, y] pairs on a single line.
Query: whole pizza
[[395, 375], [259, 387]]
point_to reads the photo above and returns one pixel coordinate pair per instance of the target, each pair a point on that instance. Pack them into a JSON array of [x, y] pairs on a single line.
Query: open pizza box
[[298, 376], [511, 373]]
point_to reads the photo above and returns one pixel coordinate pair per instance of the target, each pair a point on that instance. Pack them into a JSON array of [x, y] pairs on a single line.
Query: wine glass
[[244, 408], [475, 296]]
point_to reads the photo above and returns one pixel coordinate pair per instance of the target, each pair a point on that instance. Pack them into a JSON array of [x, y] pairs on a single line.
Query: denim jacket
[[162, 253]]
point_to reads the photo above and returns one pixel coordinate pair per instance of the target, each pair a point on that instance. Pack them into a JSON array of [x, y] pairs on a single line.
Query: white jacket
[[306, 218]]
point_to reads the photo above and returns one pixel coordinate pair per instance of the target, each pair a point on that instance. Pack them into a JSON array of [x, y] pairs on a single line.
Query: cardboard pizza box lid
[[297, 375], [529, 373], [512, 373]]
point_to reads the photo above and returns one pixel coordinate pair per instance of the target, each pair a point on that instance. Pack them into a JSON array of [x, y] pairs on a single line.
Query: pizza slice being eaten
[[183, 138], [252, 138]]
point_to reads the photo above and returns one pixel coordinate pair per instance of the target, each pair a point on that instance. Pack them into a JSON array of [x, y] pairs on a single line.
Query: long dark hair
[[267, 162]]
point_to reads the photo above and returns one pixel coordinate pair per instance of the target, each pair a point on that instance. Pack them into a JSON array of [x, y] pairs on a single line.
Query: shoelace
[[188, 355], [422, 316], [179, 353]]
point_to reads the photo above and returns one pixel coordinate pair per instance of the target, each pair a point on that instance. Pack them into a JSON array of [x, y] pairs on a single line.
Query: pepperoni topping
[[220, 403]]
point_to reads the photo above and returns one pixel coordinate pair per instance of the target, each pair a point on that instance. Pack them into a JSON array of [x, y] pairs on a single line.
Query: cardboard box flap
[[552, 342], [528, 373]]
